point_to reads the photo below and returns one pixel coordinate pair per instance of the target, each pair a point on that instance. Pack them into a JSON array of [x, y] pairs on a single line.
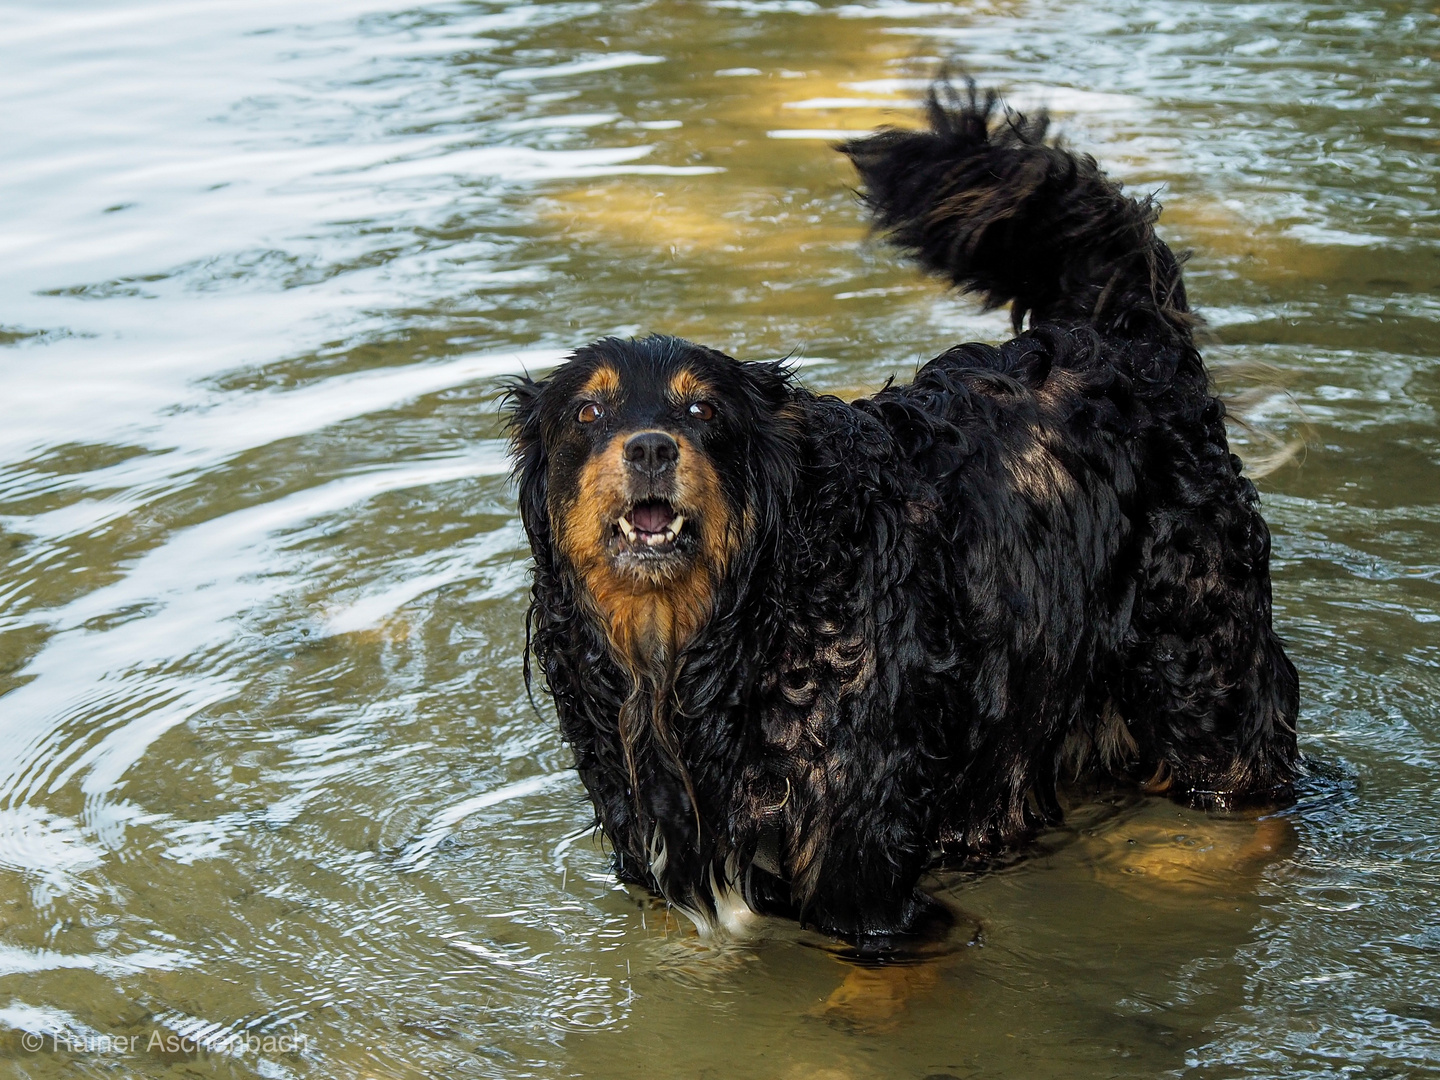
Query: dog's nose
[[652, 452]]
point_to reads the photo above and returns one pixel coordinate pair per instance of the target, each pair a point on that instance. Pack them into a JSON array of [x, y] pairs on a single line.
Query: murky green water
[[267, 771]]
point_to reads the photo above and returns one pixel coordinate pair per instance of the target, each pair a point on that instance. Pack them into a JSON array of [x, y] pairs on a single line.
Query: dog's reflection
[[1159, 856]]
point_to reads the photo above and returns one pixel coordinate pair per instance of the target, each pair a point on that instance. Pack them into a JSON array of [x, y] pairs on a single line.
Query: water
[[268, 769]]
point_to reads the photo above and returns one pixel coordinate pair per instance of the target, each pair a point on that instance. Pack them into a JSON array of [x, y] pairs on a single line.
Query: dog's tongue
[[652, 517]]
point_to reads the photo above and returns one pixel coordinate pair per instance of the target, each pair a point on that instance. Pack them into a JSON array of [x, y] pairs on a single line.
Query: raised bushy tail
[[982, 198]]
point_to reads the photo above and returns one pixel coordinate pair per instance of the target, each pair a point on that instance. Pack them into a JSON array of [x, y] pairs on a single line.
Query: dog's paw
[[890, 930]]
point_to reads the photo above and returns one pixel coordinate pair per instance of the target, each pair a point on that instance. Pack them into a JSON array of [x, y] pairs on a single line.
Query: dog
[[803, 648]]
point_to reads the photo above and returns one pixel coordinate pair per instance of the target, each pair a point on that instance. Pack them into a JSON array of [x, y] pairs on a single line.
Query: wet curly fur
[[885, 631]]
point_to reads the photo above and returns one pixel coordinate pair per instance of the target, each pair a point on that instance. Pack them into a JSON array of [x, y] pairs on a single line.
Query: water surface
[[268, 768]]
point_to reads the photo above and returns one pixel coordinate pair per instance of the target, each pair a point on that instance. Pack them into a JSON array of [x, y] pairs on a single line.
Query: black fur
[[1037, 559]]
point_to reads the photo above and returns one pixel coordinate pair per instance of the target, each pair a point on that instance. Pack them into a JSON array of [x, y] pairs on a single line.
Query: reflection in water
[[269, 765]]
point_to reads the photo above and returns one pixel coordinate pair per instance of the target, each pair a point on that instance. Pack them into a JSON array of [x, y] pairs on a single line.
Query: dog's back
[[1108, 549]]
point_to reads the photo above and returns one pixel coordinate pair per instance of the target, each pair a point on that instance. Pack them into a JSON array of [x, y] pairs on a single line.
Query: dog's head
[[644, 466]]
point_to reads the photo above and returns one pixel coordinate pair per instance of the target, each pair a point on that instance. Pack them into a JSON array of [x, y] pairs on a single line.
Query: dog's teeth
[[650, 539]]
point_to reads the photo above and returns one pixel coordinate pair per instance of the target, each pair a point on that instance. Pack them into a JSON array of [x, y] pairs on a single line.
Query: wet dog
[[802, 647]]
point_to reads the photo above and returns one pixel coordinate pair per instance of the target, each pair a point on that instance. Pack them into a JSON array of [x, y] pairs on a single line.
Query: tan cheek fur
[[648, 619]]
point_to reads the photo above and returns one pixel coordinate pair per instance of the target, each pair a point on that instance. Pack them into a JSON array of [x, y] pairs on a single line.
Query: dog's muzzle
[[652, 524], [651, 454]]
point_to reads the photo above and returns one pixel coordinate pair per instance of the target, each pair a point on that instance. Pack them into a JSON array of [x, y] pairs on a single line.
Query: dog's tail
[[982, 198]]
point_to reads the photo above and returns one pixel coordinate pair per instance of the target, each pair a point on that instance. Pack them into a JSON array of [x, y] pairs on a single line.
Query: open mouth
[[651, 526]]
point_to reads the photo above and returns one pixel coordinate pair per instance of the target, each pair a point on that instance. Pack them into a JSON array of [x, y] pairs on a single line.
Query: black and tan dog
[[802, 647]]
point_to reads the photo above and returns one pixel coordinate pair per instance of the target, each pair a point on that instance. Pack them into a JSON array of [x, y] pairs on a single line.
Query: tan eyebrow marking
[[686, 386], [603, 380]]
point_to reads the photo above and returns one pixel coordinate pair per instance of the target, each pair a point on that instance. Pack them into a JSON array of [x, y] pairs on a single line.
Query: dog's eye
[[590, 412], [703, 410]]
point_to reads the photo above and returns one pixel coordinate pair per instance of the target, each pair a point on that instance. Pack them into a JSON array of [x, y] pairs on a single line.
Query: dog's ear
[[769, 382], [522, 400], [772, 465]]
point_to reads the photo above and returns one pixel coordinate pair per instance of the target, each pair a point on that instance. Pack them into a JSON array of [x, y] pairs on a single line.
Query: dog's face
[[646, 461]]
